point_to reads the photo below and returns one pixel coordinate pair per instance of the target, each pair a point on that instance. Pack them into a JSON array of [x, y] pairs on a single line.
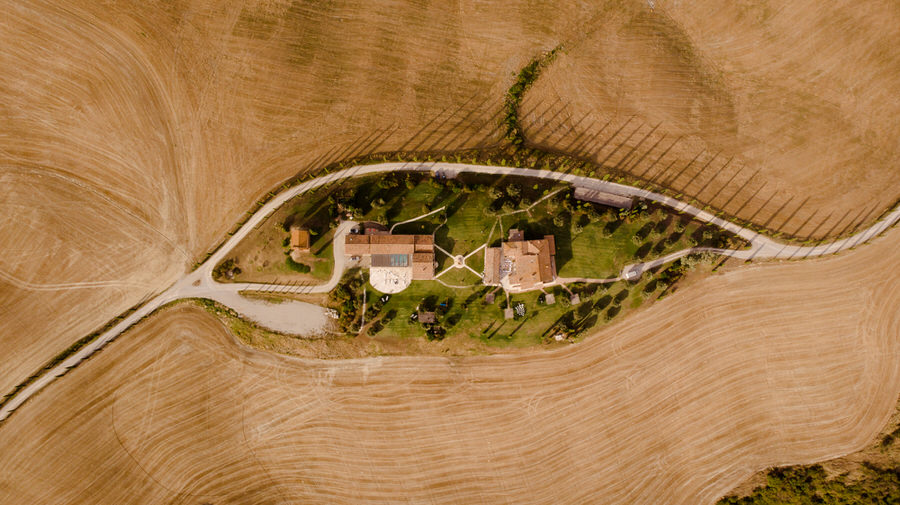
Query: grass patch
[[295, 266], [460, 277]]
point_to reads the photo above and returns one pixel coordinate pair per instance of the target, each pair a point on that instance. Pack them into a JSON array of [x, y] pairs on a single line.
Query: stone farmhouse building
[[394, 260], [519, 264]]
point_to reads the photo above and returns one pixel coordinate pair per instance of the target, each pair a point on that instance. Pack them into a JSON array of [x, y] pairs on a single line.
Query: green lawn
[[596, 242], [476, 261], [325, 253], [469, 315], [460, 277], [467, 224], [592, 242]]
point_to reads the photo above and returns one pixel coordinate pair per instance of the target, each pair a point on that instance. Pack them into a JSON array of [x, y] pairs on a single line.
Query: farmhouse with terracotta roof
[[519, 264], [299, 239], [395, 260]]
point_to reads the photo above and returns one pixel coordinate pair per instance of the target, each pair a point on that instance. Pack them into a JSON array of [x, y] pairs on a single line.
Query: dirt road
[[200, 284]]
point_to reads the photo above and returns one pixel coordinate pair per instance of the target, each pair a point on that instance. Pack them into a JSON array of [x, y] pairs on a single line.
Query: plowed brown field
[[783, 113], [778, 364], [134, 134]]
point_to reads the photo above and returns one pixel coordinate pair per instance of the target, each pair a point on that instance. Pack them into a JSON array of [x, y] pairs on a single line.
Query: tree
[[388, 182], [559, 221]]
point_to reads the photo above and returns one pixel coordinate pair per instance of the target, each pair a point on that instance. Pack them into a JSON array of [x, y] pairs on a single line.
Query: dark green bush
[[296, 267]]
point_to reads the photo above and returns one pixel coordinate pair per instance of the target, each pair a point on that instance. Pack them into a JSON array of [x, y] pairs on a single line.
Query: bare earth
[[136, 134], [781, 363], [782, 113]]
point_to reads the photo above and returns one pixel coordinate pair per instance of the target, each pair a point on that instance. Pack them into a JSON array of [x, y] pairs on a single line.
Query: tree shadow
[[659, 247], [612, 226], [645, 230], [457, 204], [442, 238], [643, 250], [602, 302]]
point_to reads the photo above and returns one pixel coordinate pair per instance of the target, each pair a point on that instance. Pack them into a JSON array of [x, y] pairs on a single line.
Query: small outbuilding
[[299, 239], [603, 198]]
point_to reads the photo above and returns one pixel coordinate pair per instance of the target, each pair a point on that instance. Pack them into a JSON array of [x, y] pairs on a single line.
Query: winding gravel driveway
[[293, 316]]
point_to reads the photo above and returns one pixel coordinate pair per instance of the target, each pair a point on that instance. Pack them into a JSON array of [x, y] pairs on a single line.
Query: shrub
[[296, 267]]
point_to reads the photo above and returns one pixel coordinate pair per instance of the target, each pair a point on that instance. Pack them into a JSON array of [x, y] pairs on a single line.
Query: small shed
[[299, 239], [549, 299], [508, 313], [489, 298], [427, 317]]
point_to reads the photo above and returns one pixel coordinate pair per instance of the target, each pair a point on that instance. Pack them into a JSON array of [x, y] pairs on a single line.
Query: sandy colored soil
[[55, 283], [780, 112], [852, 465], [781, 363], [135, 134]]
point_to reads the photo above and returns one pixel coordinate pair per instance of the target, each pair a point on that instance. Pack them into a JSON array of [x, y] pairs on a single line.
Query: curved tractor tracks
[[200, 284]]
